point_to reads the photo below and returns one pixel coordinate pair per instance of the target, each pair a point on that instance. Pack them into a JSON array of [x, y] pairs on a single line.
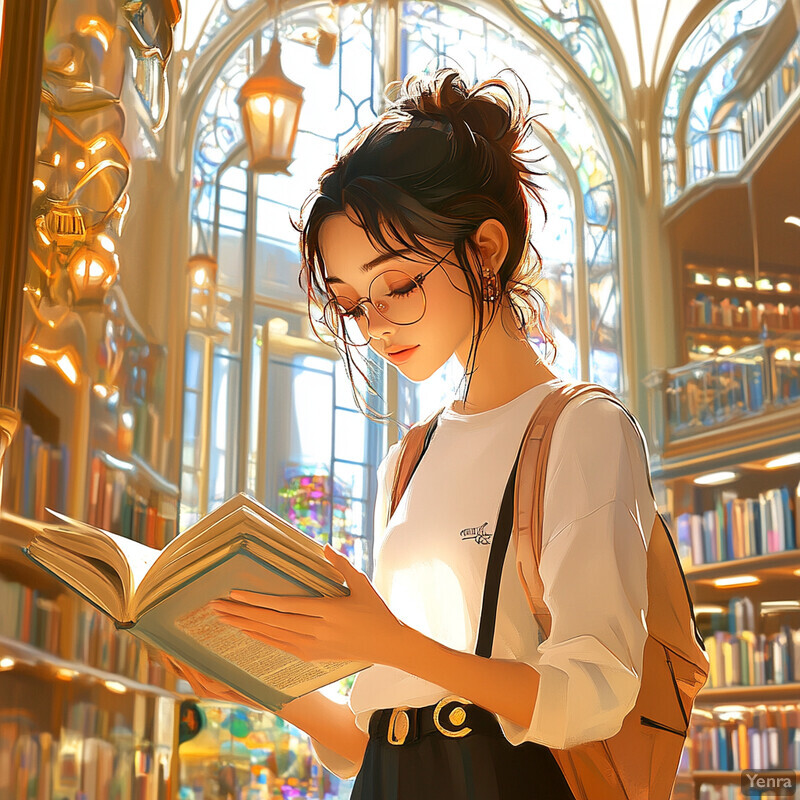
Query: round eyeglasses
[[395, 295]]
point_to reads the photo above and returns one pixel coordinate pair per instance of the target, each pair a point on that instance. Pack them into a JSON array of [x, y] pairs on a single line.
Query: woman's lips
[[402, 355]]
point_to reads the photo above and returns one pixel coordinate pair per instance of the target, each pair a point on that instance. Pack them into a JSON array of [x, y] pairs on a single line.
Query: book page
[[268, 664], [189, 567], [270, 526], [176, 566], [95, 581]]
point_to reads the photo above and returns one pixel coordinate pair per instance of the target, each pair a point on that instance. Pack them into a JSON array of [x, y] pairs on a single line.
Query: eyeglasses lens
[[395, 295]]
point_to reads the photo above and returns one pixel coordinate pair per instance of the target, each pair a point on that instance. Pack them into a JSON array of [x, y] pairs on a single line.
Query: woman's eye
[[352, 313], [404, 289]]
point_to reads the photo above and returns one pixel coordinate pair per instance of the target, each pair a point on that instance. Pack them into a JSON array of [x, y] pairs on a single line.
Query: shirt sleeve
[[334, 762], [598, 514], [337, 764]]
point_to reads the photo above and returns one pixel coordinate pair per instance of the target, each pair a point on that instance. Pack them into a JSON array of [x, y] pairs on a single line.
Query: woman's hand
[[203, 686], [357, 627]]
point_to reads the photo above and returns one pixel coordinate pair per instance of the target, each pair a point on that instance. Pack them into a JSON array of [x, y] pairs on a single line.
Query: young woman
[[416, 245]]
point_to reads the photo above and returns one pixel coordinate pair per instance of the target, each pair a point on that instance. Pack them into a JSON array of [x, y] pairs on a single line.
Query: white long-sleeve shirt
[[431, 562]]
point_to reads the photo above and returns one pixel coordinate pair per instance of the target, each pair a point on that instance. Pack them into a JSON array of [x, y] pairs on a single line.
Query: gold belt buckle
[[399, 725], [457, 716]]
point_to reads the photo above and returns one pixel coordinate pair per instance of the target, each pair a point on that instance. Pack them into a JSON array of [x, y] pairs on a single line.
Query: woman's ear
[[491, 240]]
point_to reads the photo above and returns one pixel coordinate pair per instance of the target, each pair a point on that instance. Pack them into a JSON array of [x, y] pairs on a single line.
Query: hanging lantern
[[202, 271], [92, 269], [270, 105]]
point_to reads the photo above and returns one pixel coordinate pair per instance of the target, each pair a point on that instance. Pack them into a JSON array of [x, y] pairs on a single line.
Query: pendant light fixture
[[270, 104]]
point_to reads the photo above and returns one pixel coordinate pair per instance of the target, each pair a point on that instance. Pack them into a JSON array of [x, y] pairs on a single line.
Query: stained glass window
[[683, 162], [244, 222]]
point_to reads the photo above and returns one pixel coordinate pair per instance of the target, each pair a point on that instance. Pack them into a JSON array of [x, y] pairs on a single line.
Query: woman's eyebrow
[[377, 261]]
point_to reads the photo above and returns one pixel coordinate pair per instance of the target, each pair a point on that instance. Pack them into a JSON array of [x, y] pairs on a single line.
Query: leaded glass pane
[[575, 24], [436, 35], [729, 21]]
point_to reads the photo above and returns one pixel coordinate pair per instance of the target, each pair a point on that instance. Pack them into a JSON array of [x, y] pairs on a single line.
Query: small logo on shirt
[[478, 534]]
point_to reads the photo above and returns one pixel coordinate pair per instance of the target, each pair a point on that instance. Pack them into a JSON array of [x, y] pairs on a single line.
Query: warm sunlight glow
[[106, 242], [68, 369]]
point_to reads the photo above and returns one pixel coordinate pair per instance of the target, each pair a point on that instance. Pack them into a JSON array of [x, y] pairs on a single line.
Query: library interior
[[157, 358]]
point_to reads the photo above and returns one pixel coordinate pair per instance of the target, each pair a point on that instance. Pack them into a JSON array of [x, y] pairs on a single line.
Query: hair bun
[[492, 109]]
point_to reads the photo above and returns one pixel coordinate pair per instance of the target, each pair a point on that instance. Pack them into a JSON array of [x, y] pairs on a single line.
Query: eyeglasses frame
[[419, 279]]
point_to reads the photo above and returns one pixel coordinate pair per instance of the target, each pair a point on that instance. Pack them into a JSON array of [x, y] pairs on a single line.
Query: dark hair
[[438, 163]]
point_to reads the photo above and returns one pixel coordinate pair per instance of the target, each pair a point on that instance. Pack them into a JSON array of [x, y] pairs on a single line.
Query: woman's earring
[[491, 289]]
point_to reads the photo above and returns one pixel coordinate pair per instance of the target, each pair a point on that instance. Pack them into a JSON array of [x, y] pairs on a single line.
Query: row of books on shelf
[[94, 756], [747, 658], [36, 475], [739, 527], [703, 310], [761, 737], [120, 503], [148, 443], [30, 617]]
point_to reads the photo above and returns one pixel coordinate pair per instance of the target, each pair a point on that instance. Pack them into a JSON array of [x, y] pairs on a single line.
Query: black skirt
[[483, 765]]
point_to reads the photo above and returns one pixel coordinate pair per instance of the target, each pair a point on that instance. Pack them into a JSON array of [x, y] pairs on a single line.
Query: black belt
[[452, 716]]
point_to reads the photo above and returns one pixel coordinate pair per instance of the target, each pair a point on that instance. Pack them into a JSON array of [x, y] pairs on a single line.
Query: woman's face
[[446, 326]]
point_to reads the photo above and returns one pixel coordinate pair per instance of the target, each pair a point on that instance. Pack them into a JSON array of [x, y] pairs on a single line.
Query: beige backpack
[[640, 761]]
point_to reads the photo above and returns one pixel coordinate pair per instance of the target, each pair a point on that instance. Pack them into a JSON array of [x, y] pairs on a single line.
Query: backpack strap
[[533, 468], [412, 447], [531, 474]]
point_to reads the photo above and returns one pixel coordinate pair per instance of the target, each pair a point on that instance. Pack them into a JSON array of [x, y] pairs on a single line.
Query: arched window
[[694, 143], [267, 408]]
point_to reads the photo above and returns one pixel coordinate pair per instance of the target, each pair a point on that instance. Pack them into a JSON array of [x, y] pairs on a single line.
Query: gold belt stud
[[457, 716], [399, 725]]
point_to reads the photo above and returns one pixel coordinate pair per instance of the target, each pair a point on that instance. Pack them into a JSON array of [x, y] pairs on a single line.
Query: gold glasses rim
[[417, 279]]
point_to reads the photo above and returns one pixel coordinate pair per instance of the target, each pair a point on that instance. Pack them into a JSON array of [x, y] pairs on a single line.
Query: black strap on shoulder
[[494, 571], [426, 441]]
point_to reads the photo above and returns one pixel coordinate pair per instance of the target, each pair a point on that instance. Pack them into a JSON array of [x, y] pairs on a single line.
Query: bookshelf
[[93, 715], [725, 306], [726, 473]]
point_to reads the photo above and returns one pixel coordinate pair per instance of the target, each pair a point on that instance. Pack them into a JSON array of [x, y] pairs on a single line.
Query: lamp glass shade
[[92, 270], [270, 105]]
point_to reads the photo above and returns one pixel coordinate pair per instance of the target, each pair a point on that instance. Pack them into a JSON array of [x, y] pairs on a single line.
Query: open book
[[160, 595]]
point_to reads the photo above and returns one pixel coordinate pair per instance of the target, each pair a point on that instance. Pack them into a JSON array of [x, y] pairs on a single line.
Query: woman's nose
[[377, 324]]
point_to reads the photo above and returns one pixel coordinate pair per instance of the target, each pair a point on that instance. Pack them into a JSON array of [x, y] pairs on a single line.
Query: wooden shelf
[[775, 572], [761, 295], [766, 567], [26, 655], [748, 438], [717, 331], [729, 776], [769, 693]]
